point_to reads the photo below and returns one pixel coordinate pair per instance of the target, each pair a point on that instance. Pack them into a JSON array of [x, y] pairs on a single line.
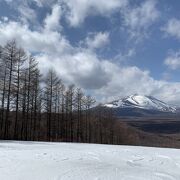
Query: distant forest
[[41, 108]]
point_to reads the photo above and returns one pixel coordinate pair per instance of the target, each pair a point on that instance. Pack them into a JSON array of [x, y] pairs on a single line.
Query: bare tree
[[21, 59], [10, 56], [70, 98], [51, 84], [88, 102], [37, 102], [3, 78], [33, 109], [79, 105], [31, 85]]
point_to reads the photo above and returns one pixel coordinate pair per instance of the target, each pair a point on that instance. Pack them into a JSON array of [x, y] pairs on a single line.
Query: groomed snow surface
[[62, 161]]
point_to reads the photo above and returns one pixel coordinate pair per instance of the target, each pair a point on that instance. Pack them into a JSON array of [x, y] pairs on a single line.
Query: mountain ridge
[[141, 103]]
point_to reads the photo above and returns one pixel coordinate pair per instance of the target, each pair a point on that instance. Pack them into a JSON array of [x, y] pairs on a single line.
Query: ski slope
[[68, 161]]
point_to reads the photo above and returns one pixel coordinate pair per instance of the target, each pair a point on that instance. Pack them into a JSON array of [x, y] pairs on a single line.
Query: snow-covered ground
[[62, 161]]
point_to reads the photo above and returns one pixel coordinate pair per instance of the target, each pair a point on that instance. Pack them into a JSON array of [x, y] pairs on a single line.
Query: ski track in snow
[[73, 161]]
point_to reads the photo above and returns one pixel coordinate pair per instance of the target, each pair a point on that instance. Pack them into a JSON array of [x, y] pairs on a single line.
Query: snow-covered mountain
[[141, 102]]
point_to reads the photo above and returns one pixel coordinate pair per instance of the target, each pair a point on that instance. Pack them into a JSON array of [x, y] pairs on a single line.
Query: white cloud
[[27, 14], [42, 3], [106, 80], [80, 66], [80, 9], [172, 28], [8, 1], [131, 80], [166, 76], [39, 3], [123, 57], [173, 60], [4, 18], [139, 19], [52, 21], [76, 11], [98, 40], [34, 41]]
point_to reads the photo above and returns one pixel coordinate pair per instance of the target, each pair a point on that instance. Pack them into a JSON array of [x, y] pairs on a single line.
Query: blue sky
[[109, 48]]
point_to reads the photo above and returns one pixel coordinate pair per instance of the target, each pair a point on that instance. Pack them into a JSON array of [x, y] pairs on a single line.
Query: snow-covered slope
[[65, 161], [143, 102]]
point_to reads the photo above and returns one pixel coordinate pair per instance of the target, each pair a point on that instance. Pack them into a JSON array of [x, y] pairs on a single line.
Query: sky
[[111, 49]]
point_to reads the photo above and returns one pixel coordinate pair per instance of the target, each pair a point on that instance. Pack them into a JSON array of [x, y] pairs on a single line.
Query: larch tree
[[79, 105], [51, 83], [10, 55], [21, 59]]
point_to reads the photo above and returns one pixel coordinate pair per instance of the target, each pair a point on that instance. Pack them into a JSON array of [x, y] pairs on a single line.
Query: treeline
[[36, 108]]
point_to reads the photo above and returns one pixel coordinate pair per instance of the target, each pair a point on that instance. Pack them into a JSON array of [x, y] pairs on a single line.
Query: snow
[[73, 161], [109, 105], [143, 102]]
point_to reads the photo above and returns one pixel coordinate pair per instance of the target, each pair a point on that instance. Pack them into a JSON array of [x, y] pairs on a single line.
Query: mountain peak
[[142, 102]]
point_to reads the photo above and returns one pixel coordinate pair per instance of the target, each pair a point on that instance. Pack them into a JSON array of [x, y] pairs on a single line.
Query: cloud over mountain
[[49, 37]]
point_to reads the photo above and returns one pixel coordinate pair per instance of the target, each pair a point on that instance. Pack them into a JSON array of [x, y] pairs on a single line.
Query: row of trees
[[37, 108]]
